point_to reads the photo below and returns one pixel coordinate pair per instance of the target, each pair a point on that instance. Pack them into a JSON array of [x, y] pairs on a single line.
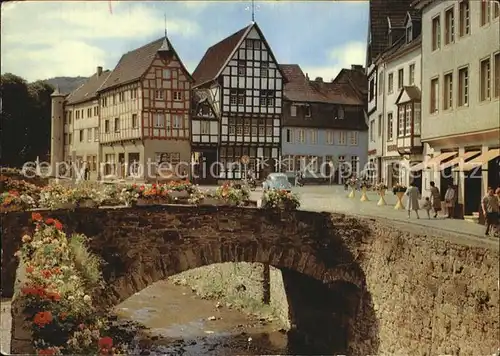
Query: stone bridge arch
[[143, 245]]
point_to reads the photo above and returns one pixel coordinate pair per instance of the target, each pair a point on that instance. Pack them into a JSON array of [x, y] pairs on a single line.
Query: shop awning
[[479, 161], [457, 160], [434, 161]]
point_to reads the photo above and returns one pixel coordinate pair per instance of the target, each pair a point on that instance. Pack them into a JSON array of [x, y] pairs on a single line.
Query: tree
[[25, 120]]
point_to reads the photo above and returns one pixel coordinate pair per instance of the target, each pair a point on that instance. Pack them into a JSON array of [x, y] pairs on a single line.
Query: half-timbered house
[[145, 107], [204, 136], [245, 86]]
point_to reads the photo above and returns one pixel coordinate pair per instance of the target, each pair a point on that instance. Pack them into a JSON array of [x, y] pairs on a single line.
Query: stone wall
[[395, 292]]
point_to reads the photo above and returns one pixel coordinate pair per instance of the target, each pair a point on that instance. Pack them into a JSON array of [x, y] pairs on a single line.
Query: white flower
[[87, 298], [71, 297]]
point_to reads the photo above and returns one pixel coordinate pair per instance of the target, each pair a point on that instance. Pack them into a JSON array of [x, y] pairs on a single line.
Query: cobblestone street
[[334, 199]]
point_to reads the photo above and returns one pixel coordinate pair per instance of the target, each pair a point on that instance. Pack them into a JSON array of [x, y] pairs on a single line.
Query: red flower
[[29, 269], [28, 291], [46, 273], [36, 217], [49, 221], [40, 291], [46, 352], [54, 296], [63, 316], [43, 318], [58, 225], [105, 342], [57, 270]]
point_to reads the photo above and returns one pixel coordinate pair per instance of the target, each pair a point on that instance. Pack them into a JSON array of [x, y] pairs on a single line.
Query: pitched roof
[[413, 92], [200, 96], [216, 56], [134, 64], [380, 10], [299, 88], [88, 90]]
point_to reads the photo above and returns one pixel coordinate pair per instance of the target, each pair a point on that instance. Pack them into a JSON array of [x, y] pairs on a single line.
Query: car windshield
[[279, 179]]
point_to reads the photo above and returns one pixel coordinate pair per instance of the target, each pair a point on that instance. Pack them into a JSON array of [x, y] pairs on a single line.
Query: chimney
[[99, 71], [307, 76], [357, 67], [318, 80]]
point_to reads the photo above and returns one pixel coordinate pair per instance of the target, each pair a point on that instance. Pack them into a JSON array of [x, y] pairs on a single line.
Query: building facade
[[385, 29], [125, 121], [321, 129], [246, 86], [460, 105]]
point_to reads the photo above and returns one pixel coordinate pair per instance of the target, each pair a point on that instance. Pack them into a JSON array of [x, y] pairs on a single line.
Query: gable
[[204, 109]]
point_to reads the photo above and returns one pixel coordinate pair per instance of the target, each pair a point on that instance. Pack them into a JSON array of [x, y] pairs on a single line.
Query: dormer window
[[409, 33]]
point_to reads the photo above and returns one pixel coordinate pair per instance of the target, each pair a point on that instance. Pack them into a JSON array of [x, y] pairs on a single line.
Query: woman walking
[[436, 199], [413, 197], [449, 199]]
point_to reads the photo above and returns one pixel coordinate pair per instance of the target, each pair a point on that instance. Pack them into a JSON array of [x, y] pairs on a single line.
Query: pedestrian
[[413, 197], [436, 199], [449, 199], [427, 206], [490, 210]]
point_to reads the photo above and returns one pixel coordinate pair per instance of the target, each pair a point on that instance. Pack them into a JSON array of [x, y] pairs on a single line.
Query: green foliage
[[87, 264]]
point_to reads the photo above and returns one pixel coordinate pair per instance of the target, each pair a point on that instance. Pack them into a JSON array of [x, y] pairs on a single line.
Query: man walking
[[435, 199], [490, 206]]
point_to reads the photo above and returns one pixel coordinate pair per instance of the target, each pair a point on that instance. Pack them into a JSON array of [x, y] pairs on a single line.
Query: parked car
[[277, 181]]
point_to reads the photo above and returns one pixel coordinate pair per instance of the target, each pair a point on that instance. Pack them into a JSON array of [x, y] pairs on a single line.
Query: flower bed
[[57, 196], [60, 275], [14, 201], [398, 188], [280, 199], [232, 194]]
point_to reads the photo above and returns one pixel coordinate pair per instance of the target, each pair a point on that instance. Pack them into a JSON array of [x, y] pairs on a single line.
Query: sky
[[45, 39]]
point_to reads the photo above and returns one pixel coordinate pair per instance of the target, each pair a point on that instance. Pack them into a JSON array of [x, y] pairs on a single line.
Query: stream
[[181, 323]]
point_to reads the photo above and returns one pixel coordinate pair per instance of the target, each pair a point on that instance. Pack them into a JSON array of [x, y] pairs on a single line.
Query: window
[[485, 93], [434, 107], [241, 67], [416, 119], [355, 164], [380, 83], [159, 120], [114, 99], [89, 135], [307, 109], [166, 74], [390, 83], [408, 119], [177, 122], [264, 69], [266, 98], [177, 95], [81, 135], [412, 74], [390, 127], [77, 114], [463, 86], [134, 121], [249, 44], [241, 96], [96, 110], [293, 110], [288, 136], [117, 124], [340, 112], [133, 94], [106, 126], [96, 134], [401, 121], [159, 94], [237, 96], [372, 89], [409, 33], [121, 96], [330, 137], [342, 138], [205, 127], [485, 12], [314, 136], [104, 102], [448, 91], [70, 138], [353, 138], [89, 112], [401, 78], [497, 74], [464, 18], [449, 23], [372, 130], [436, 33], [380, 125], [496, 9], [301, 136]]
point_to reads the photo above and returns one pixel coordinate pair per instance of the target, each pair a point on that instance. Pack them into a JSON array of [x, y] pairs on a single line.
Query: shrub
[[280, 199]]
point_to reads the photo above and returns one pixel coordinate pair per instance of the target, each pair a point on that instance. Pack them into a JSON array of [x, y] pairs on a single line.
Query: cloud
[[42, 39], [339, 58]]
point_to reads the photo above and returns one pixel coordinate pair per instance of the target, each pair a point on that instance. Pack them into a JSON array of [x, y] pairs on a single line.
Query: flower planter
[[399, 205], [381, 201], [87, 203], [210, 201], [66, 206], [364, 197], [181, 194], [352, 194]]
